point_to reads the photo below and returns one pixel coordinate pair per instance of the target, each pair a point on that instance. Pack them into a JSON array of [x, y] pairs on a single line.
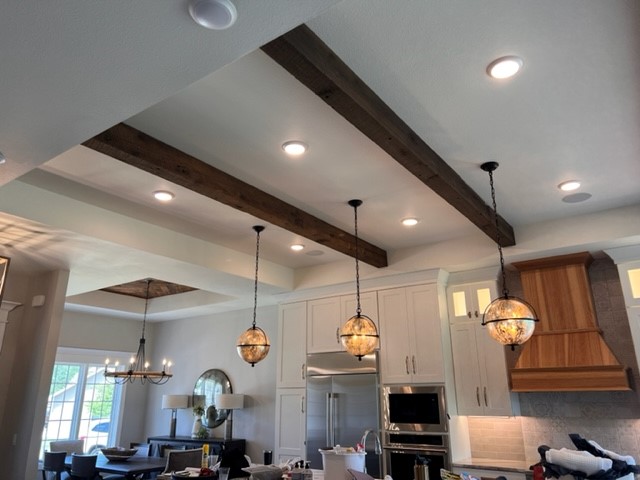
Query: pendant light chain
[[505, 290], [146, 306], [255, 285], [358, 308]]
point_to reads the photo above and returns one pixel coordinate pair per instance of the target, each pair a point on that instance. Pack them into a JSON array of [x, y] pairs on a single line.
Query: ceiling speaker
[[213, 14]]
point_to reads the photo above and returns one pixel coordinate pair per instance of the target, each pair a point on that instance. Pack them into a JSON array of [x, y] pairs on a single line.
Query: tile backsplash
[[612, 419]]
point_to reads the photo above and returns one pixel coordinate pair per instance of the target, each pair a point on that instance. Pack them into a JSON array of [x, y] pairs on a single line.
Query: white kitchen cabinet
[[468, 302], [325, 316], [480, 369], [290, 424], [292, 345], [481, 377], [410, 335]]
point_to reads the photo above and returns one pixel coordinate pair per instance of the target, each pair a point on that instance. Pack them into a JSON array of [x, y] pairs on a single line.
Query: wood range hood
[[567, 351]]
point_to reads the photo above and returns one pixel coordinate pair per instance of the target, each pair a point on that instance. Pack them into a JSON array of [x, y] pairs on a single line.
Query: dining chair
[[167, 447], [69, 446], [83, 467], [180, 459], [143, 449], [53, 466]]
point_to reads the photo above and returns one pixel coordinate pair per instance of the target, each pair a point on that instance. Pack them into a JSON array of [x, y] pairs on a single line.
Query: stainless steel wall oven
[[415, 423], [415, 408], [400, 450]]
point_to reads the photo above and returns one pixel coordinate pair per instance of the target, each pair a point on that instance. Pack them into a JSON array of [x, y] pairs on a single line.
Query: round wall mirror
[[211, 383]]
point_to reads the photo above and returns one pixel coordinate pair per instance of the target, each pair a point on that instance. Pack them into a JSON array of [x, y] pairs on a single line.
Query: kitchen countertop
[[518, 466]]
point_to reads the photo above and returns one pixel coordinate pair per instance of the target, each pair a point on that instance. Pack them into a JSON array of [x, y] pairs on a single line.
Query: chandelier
[[359, 334], [253, 345], [138, 368], [509, 320]]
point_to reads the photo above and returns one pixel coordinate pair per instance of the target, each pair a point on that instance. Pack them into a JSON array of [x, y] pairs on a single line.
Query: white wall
[[26, 364], [199, 344]]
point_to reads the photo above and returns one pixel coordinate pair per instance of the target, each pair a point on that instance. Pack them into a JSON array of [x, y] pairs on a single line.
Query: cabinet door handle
[[304, 365], [476, 312], [406, 364], [478, 396], [413, 362], [469, 314], [338, 334], [486, 403], [302, 404]]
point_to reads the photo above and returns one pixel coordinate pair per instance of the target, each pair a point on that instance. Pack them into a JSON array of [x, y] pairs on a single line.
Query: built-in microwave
[[415, 409]]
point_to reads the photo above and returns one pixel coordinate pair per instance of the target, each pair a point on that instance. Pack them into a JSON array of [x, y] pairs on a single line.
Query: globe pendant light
[[253, 345], [509, 320], [359, 334], [138, 366]]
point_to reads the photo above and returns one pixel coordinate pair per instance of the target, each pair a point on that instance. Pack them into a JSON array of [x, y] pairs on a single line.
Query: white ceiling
[[75, 68]]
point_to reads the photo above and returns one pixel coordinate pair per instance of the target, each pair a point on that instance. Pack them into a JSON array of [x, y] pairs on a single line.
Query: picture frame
[[4, 268]]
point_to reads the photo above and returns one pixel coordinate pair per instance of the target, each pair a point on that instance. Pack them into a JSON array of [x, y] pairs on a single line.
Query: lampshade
[[175, 401], [510, 320], [359, 336], [229, 401], [253, 345]]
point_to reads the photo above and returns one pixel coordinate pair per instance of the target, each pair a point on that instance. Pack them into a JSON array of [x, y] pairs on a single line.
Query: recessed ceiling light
[[409, 222], [3, 159], [163, 195], [569, 185], [296, 247], [213, 14], [294, 147], [505, 67]]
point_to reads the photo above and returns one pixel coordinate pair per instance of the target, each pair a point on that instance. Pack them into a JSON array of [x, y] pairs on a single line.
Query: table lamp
[[231, 402], [174, 402]]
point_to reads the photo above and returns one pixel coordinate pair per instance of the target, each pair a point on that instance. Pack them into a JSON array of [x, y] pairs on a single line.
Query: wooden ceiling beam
[[140, 150], [305, 56]]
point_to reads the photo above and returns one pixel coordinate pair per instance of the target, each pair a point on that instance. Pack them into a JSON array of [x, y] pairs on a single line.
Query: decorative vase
[[197, 426]]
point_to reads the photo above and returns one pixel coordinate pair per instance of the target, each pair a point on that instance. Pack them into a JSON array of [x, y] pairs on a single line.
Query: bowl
[[118, 454]]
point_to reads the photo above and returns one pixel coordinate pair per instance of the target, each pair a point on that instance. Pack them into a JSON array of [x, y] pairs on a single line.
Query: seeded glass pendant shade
[[359, 334], [253, 345], [509, 320]]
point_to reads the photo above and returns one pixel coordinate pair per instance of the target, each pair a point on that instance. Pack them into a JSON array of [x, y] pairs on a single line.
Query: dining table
[[130, 468]]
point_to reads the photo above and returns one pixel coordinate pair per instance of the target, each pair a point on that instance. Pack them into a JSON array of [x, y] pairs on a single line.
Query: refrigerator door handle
[[329, 420]]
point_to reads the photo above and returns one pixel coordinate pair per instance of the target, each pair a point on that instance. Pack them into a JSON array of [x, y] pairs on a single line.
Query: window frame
[[86, 358]]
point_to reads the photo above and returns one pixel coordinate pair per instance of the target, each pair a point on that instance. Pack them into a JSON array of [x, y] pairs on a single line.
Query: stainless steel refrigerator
[[342, 403]]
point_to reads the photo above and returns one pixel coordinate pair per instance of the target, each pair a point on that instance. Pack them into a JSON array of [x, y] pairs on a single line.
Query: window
[[82, 404]]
